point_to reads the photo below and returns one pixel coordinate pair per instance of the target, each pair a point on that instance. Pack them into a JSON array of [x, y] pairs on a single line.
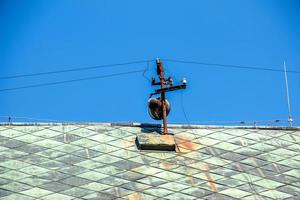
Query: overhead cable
[[230, 66], [70, 81], [74, 69], [143, 61], [28, 118]]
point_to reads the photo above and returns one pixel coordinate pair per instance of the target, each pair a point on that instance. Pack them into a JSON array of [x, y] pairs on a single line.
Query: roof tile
[[101, 161]]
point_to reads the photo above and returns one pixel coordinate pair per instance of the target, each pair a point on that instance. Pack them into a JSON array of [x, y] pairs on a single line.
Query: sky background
[[41, 36]]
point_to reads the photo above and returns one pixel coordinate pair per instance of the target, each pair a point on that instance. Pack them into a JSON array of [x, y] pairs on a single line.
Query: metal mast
[[290, 119]]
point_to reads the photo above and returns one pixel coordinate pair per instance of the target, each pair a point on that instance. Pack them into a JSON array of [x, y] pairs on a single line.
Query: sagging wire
[[186, 118], [72, 80], [10, 119], [74, 69], [146, 69], [229, 66]]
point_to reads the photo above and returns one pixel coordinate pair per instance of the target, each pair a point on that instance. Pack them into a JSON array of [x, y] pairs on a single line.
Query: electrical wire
[[70, 81], [183, 109], [29, 118], [185, 115], [229, 66], [143, 61], [228, 121], [146, 69], [74, 69]]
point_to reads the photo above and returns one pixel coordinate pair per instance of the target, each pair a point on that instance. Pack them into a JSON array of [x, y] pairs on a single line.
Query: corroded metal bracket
[[169, 89]]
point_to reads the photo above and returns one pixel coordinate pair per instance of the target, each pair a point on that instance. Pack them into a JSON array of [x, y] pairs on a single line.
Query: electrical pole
[[162, 91], [160, 72]]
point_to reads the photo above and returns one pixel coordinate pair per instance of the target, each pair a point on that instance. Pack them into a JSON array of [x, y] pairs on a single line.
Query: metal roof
[[101, 161]]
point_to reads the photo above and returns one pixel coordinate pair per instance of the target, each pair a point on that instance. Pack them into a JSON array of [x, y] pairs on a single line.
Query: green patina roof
[[101, 161]]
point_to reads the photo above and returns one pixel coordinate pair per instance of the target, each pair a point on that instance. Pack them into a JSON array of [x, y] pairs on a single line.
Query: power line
[[29, 118], [230, 66], [75, 69], [142, 61], [70, 81], [242, 122], [146, 69]]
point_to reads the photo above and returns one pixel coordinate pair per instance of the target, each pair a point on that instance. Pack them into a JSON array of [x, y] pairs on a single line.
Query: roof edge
[[149, 125]]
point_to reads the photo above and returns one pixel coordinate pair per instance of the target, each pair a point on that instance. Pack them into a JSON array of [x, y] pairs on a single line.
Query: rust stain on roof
[[167, 165], [211, 183], [185, 145], [134, 196]]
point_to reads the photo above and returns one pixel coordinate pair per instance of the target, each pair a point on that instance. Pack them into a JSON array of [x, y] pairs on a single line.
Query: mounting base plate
[[151, 141]]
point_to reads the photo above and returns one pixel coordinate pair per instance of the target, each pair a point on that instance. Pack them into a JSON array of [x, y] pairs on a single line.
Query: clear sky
[[41, 36]]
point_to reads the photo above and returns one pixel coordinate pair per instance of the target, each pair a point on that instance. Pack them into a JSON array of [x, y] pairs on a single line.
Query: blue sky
[[41, 36]]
